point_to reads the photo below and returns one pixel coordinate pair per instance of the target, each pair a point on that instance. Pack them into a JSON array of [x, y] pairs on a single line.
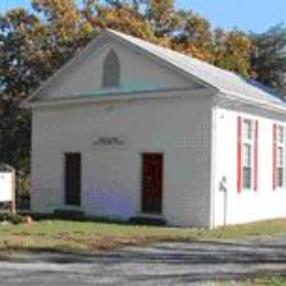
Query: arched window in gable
[[111, 71]]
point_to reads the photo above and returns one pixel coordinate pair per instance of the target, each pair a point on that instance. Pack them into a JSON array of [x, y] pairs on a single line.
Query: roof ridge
[[176, 52], [224, 80]]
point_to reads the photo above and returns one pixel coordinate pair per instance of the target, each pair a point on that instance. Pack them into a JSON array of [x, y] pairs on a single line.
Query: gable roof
[[225, 82]]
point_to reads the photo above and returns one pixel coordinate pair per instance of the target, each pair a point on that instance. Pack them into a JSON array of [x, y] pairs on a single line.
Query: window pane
[[280, 157], [281, 134], [280, 177], [247, 155], [247, 129], [246, 178]]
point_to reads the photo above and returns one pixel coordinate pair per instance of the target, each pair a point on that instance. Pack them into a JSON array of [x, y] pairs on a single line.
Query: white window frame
[[248, 139], [280, 162]]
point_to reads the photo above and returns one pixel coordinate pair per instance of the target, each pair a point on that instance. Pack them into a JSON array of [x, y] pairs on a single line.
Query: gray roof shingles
[[225, 81]]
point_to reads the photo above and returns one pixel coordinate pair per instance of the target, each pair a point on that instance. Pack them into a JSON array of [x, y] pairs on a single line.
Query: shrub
[[12, 218]]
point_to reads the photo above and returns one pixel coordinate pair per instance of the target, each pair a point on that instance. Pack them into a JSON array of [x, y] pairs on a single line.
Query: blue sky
[[247, 15]]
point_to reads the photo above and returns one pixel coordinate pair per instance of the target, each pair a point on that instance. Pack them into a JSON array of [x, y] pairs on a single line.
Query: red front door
[[152, 183]]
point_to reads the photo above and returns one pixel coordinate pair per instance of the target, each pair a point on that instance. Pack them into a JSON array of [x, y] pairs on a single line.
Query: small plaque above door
[[109, 142]]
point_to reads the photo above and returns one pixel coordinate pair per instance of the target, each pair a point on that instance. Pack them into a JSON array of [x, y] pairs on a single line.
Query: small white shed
[[7, 185]]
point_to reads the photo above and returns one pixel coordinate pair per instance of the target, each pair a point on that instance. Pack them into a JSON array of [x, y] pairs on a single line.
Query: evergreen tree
[[269, 58]]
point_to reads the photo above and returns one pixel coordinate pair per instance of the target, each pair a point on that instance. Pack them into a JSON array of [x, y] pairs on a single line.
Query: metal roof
[[225, 81]]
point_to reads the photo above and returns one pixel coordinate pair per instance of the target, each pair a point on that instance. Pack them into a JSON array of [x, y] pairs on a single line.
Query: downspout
[[213, 165]]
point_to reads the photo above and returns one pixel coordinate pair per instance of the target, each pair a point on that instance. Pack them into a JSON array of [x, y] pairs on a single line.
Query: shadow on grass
[[80, 217]]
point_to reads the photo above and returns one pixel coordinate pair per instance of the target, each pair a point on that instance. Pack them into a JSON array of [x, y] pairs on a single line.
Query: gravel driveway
[[159, 264]]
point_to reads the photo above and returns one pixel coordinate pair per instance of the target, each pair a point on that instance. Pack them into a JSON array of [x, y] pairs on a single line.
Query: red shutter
[[239, 157], [256, 157], [274, 156]]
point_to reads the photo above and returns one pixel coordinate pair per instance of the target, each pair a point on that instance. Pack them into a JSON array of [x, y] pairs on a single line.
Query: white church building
[[131, 129]]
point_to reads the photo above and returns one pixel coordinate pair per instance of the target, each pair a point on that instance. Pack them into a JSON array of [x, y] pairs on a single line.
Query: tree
[[269, 58], [17, 49], [162, 16], [123, 18], [233, 51], [31, 50], [34, 44], [194, 37]]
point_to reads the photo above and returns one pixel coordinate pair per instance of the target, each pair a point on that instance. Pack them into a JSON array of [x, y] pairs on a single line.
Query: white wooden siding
[[247, 206], [111, 179]]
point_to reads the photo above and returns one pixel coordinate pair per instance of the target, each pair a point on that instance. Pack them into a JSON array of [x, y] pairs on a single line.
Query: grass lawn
[[273, 281], [65, 235]]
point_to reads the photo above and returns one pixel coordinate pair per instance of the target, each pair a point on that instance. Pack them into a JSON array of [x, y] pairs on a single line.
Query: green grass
[[66, 235], [88, 237], [274, 281], [270, 281]]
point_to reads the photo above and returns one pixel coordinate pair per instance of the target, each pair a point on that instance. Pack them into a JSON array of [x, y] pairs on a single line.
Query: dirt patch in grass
[[75, 236]]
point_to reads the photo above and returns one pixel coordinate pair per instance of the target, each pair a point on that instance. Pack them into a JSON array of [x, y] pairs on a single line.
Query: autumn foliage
[[35, 43]]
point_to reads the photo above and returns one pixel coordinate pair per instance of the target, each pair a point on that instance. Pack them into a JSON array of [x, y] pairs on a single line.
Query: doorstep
[[148, 219]]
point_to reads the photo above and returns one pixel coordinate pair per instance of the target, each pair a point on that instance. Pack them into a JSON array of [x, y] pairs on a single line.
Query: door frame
[[63, 195], [141, 154], [78, 202]]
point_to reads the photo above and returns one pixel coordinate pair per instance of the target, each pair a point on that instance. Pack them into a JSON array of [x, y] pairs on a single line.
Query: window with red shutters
[[247, 155]]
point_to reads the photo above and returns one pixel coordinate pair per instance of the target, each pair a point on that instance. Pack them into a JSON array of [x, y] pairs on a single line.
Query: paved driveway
[[159, 264]]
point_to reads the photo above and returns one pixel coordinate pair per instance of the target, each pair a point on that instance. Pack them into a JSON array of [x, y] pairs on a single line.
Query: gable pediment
[[84, 75]]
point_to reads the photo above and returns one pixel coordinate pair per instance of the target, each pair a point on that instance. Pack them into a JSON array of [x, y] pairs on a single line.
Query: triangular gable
[[83, 75], [153, 68]]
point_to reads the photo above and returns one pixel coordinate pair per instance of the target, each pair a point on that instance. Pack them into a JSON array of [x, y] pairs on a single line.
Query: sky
[[247, 15]]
